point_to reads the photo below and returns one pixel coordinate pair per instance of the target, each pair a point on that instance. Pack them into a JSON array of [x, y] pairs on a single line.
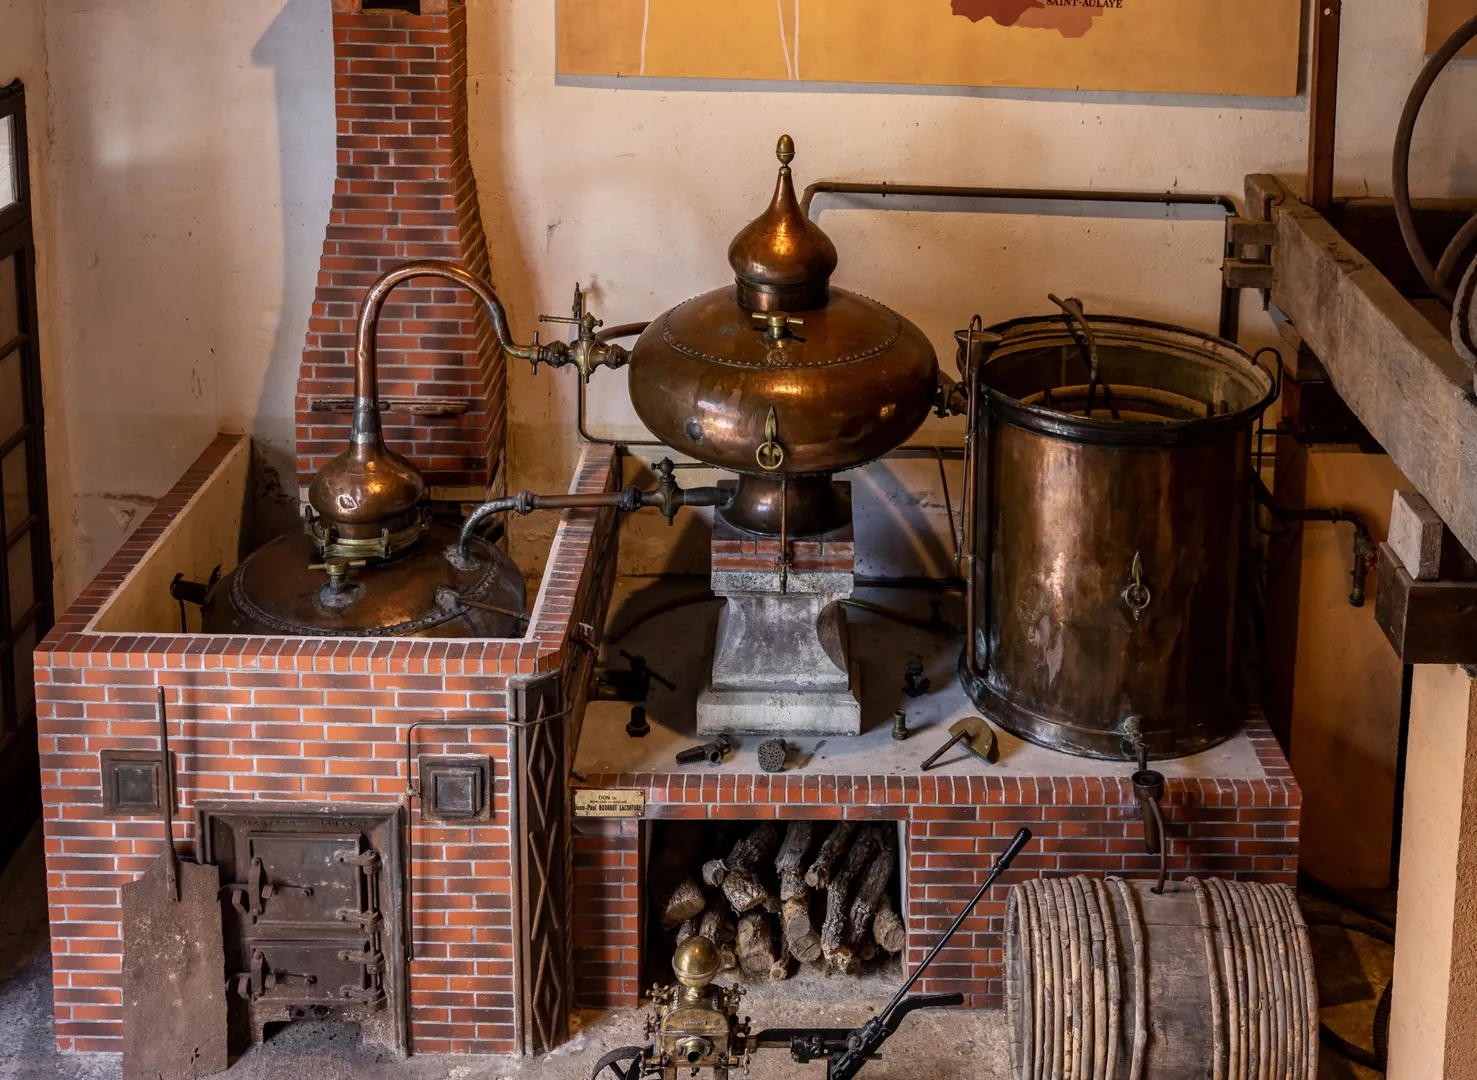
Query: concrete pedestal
[[781, 658]]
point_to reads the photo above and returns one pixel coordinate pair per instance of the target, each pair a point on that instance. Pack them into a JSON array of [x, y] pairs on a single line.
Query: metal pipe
[[1230, 298], [366, 423]]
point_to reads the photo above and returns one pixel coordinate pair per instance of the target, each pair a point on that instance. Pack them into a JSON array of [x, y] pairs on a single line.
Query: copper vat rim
[[1191, 345]]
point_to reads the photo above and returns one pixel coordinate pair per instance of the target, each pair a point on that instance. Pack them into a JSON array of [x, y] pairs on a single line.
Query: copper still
[[782, 377], [1109, 469], [372, 561]]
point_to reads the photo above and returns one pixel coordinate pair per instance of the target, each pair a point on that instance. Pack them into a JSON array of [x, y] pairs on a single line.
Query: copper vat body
[[781, 377], [1107, 554]]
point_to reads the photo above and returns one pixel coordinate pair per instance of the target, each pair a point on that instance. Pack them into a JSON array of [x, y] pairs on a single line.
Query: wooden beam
[[1398, 373]]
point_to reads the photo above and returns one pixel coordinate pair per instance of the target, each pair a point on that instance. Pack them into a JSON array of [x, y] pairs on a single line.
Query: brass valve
[[777, 324], [587, 351]]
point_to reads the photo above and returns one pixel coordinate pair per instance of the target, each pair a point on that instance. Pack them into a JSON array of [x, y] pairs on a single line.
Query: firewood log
[[772, 904], [744, 890], [801, 940], [866, 950], [754, 848], [755, 944], [833, 930], [780, 969], [869, 893], [792, 883], [716, 925], [727, 958], [686, 901], [888, 929], [819, 874], [796, 844], [713, 871], [686, 930]]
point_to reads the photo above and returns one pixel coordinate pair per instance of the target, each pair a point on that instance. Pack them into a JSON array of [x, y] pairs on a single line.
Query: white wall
[[192, 150]]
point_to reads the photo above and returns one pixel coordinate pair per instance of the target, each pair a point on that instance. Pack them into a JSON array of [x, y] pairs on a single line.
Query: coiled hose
[[1440, 277]]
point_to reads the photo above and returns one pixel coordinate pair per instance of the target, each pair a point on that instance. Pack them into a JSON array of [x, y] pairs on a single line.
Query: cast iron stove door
[[306, 936]]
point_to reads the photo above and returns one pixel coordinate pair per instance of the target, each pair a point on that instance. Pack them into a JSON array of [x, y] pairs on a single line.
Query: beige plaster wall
[[1437, 844], [192, 161], [1346, 695]]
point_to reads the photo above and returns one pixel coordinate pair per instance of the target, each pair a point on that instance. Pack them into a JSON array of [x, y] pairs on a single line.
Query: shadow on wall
[[298, 47]]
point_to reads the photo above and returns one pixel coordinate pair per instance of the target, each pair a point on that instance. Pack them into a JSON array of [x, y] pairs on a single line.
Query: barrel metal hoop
[[1140, 978], [1213, 976]]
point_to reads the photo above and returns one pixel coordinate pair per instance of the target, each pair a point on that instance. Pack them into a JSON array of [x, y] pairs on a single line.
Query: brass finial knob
[[785, 151], [696, 962]]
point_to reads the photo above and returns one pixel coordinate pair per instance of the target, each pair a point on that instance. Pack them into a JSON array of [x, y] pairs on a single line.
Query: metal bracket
[[1251, 269]]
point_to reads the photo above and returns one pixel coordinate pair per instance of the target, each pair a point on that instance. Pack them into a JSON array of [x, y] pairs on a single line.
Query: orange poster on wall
[[1240, 47], [1443, 17]]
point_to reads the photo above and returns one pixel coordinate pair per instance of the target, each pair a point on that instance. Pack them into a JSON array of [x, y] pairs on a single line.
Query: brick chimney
[[404, 191]]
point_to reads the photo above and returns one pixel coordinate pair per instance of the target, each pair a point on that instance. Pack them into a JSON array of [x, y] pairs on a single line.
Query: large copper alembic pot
[[1110, 477], [781, 377], [373, 562]]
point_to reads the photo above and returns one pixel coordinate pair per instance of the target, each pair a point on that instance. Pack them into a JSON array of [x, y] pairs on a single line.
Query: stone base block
[[781, 712]]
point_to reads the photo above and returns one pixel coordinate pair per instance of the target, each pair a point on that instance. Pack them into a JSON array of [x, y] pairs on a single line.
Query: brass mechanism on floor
[[696, 1024]]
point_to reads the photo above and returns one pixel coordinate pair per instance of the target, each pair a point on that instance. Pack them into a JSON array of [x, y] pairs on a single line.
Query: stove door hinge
[[1249, 247], [373, 996], [364, 860], [371, 992], [368, 921]]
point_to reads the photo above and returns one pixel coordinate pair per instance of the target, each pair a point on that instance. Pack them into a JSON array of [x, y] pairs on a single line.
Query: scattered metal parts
[[632, 684], [712, 752], [977, 736], [900, 725], [773, 754], [915, 683], [638, 727]]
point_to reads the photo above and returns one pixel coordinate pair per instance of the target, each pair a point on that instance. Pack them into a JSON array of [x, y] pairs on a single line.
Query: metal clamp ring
[[770, 455]]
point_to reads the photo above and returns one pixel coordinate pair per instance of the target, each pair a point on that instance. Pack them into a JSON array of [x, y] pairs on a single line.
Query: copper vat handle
[[1137, 595]]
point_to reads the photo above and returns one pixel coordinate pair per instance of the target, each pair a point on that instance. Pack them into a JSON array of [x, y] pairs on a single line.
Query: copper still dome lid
[[783, 377]]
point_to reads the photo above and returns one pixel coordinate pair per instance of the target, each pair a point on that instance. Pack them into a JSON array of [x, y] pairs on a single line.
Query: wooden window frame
[[20, 794]]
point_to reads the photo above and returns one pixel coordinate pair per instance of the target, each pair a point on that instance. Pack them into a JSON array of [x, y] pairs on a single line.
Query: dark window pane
[[25, 671], [16, 488], [22, 580], [10, 301], [12, 407]]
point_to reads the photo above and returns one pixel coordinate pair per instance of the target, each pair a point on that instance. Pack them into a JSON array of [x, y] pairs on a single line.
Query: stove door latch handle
[[250, 897], [254, 983], [364, 860]]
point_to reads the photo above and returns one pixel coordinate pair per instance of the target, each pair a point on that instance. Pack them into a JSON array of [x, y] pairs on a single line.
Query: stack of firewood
[[775, 894]]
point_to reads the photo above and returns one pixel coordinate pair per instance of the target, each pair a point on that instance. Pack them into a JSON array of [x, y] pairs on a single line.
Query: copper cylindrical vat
[[1109, 524]]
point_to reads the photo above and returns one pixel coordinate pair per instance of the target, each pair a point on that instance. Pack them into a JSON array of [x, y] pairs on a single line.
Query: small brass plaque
[[598, 802]]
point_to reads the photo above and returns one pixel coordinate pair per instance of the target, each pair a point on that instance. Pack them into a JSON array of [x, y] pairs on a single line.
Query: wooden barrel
[[1107, 980]]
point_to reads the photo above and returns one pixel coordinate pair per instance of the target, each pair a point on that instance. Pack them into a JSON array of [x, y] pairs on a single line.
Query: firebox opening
[[408, 7], [786, 902]]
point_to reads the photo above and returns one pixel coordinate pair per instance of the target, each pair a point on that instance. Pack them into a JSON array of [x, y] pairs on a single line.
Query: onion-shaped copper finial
[[781, 260]]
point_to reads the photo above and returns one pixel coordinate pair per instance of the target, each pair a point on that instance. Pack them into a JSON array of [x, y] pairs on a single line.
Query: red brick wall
[[953, 829], [405, 190], [317, 719]]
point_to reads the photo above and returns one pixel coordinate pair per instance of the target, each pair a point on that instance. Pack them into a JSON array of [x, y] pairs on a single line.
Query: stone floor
[[1352, 970]]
